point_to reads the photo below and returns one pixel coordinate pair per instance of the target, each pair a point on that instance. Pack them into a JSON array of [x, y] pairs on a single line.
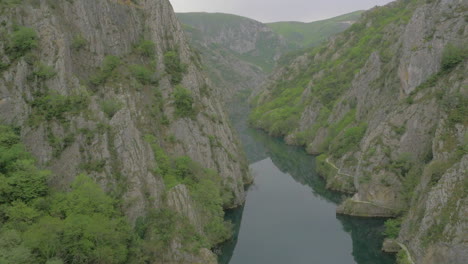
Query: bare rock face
[[105, 135], [238, 52], [411, 156]]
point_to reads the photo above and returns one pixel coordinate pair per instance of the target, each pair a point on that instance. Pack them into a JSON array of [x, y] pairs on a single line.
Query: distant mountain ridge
[[310, 34], [239, 52], [253, 41]]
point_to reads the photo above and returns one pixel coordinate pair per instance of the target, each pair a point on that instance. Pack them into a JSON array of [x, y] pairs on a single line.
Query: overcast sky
[[277, 10]]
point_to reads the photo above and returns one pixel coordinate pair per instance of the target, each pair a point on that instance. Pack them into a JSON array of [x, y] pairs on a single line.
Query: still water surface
[[289, 217]]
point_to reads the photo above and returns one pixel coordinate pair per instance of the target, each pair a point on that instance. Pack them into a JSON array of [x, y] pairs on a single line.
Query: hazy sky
[[277, 10]]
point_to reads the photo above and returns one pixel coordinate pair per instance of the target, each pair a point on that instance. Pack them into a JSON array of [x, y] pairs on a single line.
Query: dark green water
[[289, 216]]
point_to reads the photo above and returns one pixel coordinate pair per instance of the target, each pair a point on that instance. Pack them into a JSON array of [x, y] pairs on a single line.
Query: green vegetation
[[110, 107], [93, 166], [402, 257], [347, 140], [144, 75], [109, 64], [205, 189], [410, 182], [402, 164], [453, 55], [59, 144], [174, 67], [312, 34], [22, 40], [333, 67], [323, 168], [78, 42], [392, 228], [43, 72], [19, 177], [85, 225], [457, 109], [3, 66], [156, 231], [280, 115], [436, 169], [54, 106], [146, 48], [37, 225], [448, 215], [183, 102], [9, 3]]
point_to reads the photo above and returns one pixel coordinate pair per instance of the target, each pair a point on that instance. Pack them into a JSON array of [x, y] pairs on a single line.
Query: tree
[[44, 237], [22, 40], [183, 102], [20, 179]]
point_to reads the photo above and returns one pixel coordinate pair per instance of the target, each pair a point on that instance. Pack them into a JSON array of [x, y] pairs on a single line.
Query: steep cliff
[[238, 52], [112, 89], [385, 103]]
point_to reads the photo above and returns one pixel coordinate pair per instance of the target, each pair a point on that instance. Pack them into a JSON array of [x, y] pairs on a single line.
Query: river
[[289, 217]]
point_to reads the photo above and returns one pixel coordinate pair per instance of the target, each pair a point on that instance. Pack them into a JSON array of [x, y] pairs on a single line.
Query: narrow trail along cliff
[[116, 145]]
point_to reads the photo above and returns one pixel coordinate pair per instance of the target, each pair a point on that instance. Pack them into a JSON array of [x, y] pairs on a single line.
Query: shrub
[[392, 228], [174, 66], [437, 169], [402, 164], [109, 64], [458, 111], [183, 102], [3, 66], [324, 169], [453, 55], [110, 107], [146, 48], [22, 40], [402, 257], [348, 140], [44, 72], [78, 42], [143, 74], [53, 106]]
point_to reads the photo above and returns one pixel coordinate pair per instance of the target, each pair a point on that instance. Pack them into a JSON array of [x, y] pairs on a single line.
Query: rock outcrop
[[238, 52], [386, 103], [98, 81]]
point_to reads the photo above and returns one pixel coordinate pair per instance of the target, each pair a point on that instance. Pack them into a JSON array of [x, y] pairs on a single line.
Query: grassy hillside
[[311, 34]]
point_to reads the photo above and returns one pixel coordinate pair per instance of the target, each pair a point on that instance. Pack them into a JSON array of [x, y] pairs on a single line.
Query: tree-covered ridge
[[85, 225], [312, 34], [329, 70]]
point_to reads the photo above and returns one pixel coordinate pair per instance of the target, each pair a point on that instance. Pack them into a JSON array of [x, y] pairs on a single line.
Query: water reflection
[[293, 161], [296, 162], [367, 239]]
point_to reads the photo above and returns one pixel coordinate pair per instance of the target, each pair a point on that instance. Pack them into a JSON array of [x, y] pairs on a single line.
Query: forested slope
[[385, 105], [111, 90]]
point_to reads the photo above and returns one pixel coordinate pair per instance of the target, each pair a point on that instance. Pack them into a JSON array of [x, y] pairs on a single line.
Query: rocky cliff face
[[238, 52], [385, 103], [103, 84]]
